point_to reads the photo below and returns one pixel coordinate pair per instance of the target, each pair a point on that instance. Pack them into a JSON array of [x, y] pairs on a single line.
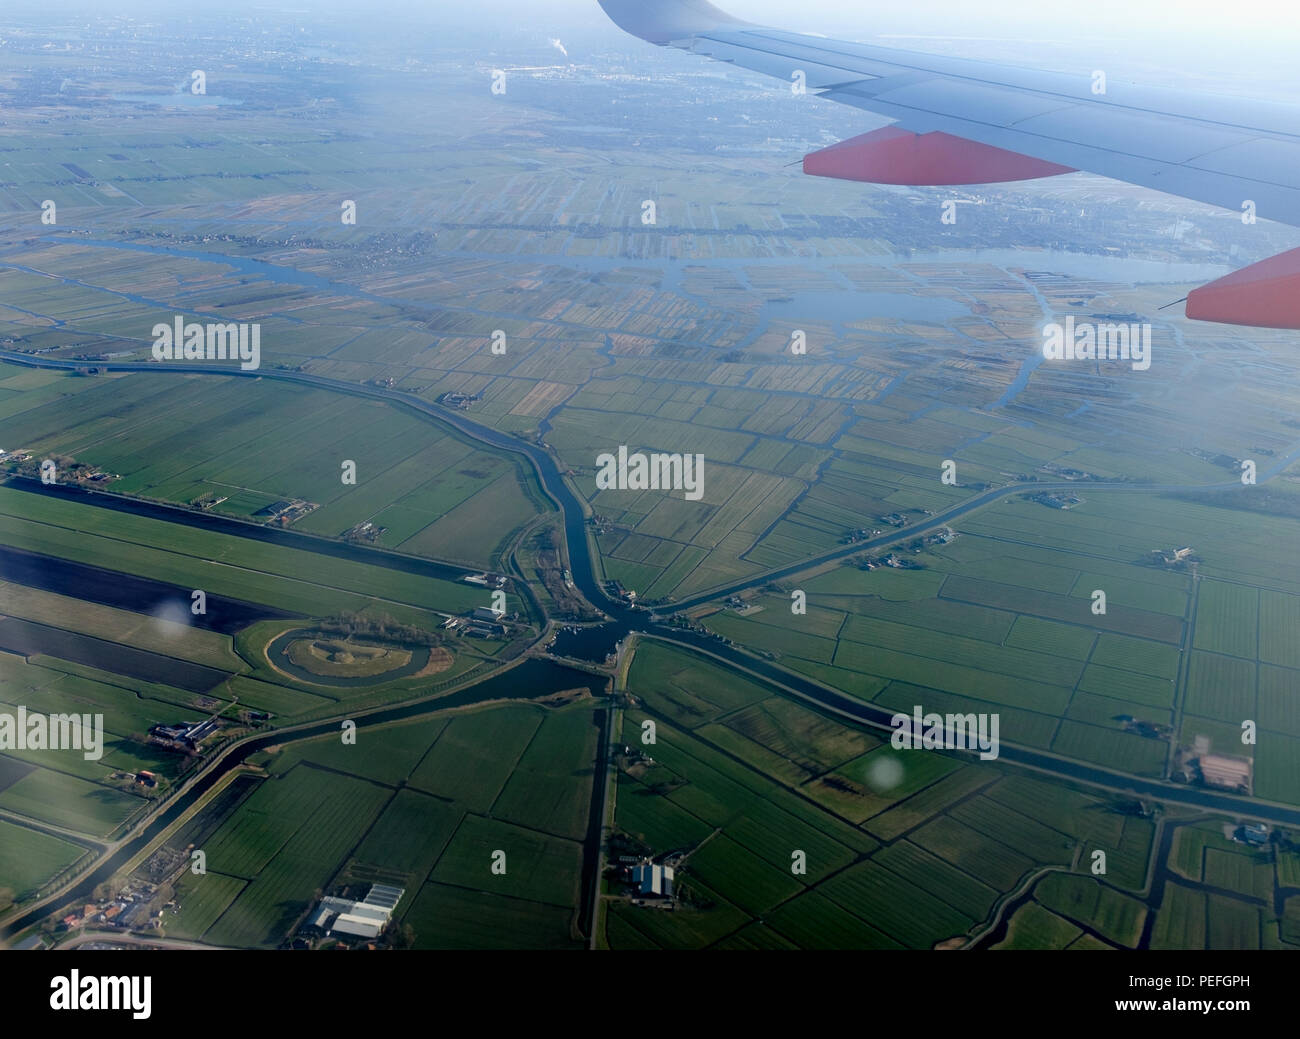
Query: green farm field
[[500, 274], [1001, 619], [28, 859], [913, 854], [435, 492], [222, 564], [422, 805], [96, 797]]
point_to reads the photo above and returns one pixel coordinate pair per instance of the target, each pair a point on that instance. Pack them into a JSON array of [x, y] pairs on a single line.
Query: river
[[624, 619]]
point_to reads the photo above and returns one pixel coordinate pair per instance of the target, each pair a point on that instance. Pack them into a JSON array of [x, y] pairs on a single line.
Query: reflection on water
[[1027, 367], [591, 643], [1122, 269]]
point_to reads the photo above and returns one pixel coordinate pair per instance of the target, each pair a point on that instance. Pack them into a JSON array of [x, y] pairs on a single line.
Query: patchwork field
[[432, 491], [422, 805], [1001, 620], [95, 619], [501, 257], [918, 850]]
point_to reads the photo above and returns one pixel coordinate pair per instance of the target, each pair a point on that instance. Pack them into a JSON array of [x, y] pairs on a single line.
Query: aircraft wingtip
[[662, 21]]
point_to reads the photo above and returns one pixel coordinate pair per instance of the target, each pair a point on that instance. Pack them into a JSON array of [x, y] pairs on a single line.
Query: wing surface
[[1220, 150]]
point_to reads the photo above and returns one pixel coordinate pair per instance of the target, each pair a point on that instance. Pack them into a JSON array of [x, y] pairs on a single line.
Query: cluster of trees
[[400, 936], [379, 626]]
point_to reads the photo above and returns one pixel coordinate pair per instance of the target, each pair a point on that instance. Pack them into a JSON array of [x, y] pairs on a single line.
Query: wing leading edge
[[960, 121]]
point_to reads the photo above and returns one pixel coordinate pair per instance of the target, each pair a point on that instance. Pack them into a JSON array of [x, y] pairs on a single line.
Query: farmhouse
[[1058, 501], [187, 735], [486, 580], [654, 881], [275, 510]]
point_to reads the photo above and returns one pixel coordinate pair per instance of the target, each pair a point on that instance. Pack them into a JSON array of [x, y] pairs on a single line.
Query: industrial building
[[364, 919]]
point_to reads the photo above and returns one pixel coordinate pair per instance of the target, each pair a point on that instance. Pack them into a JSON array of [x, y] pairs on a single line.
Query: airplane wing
[[959, 121]]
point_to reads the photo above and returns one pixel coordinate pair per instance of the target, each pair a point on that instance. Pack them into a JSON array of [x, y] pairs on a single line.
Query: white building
[[358, 926], [364, 919]]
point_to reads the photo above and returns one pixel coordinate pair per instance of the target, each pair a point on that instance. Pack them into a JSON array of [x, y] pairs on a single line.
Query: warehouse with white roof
[[364, 919]]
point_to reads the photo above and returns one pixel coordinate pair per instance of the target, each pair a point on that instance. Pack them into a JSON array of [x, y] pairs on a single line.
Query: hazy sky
[[1261, 20], [1214, 36], [1255, 23], [1251, 41], [1229, 46]]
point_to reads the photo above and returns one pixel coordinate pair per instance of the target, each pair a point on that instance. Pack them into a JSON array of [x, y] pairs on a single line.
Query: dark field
[[29, 639], [127, 591]]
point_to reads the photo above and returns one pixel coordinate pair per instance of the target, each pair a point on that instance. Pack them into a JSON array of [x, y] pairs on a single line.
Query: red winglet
[[892, 155], [1263, 295]]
